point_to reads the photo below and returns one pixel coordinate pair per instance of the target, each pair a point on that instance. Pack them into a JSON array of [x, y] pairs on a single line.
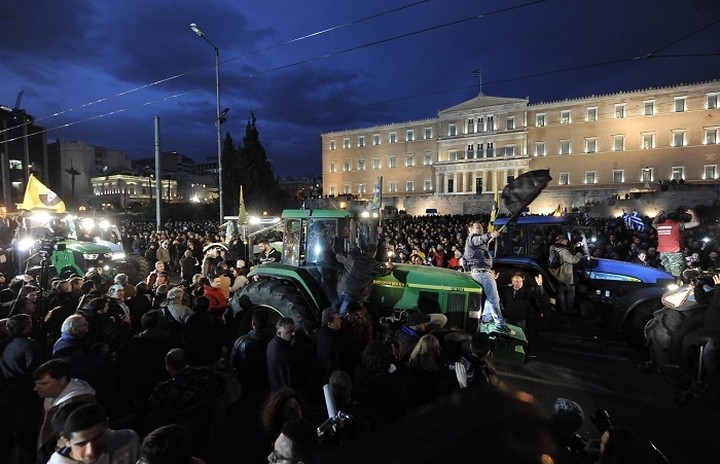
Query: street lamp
[[218, 117]]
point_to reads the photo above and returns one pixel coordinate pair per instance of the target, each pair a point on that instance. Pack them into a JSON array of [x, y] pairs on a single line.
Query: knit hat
[[114, 290], [567, 415]]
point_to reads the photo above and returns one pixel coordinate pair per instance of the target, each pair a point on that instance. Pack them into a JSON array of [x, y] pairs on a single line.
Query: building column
[[455, 182], [438, 183]]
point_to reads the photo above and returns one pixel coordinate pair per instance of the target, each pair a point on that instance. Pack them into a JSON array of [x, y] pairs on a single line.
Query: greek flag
[[634, 221]]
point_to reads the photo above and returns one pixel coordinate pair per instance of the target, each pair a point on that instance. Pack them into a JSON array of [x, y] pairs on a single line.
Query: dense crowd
[[175, 349]]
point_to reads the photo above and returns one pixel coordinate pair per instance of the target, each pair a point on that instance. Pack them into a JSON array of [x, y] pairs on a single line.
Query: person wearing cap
[[175, 306], [410, 332], [564, 274], [477, 258], [122, 279]]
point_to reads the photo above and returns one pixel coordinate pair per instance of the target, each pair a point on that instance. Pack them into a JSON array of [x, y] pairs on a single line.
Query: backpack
[[554, 259]]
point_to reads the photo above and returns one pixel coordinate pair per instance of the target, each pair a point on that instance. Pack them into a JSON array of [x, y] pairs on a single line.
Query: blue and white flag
[[634, 221]]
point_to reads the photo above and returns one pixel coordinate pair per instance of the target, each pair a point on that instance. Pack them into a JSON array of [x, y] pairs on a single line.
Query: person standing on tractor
[[564, 273], [355, 281], [478, 260], [670, 240]]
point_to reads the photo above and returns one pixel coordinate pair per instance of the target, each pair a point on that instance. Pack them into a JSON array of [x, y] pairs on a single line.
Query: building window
[[452, 130], [346, 166], [332, 145], [392, 161], [711, 136], [451, 185], [361, 189], [427, 133], [346, 189], [711, 101], [710, 172], [361, 165], [647, 174], [678, 138], [590, 177], [618, 142], [427, 158], [409, 161], [677, 173], [333, 167], [591, 114], [392, 137], [564, 147], [565, 117], [361, 141], [540, 120], [591, 145], [409, 135], [619, 111], [470, 151], [409, 186], [509, 151], [471, 126], [376, 139], [377, 163], [649, 107], [491, 123], [618, 176], [346, 143], [510, 123], [564, 178], [393, 187], [427, 185], [648, 141], [539, 148], [680, 104], [453, 155], [333, 190], [480, 150]]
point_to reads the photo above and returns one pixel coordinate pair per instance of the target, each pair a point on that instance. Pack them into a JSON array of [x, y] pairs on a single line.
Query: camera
[[47, 246]]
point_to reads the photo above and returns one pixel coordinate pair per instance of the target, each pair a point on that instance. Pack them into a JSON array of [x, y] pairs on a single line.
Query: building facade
[[617, 144]]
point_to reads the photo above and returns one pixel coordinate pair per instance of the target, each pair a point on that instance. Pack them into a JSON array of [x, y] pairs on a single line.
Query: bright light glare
[[87, 223], [254, 220], [40, 217], [104, 224], [195, 199], [25, 244], [365, 214]]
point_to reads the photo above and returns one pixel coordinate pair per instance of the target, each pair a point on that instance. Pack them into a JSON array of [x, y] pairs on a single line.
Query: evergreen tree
[[248, 166]]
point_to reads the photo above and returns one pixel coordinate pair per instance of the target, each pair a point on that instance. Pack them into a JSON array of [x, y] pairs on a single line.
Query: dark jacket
[[522, 305], [87, 362], [329, 352], [281, 365], [356, 276], [19, 357], [203, 338], [248, 358]]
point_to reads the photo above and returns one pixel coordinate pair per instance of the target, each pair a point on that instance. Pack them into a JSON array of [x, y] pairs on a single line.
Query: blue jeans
[[491, 310]]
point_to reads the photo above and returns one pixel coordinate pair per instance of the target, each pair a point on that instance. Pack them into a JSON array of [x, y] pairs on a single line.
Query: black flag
[[519, 193]]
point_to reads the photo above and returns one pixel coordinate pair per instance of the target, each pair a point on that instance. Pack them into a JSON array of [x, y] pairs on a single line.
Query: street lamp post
[[218, 121]]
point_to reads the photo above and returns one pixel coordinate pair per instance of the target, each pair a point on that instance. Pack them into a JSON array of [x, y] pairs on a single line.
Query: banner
[[242, 212], [494, 211], [39, 196], [377, 196]]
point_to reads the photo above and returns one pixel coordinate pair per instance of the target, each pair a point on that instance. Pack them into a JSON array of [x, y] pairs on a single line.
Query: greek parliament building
[[640, 148]]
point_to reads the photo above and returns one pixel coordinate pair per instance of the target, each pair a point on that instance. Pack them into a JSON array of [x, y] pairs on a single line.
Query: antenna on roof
[[18, 100], [478, 73]]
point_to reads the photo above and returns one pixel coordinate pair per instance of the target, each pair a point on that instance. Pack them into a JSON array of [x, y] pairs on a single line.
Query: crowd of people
[[165, 360]]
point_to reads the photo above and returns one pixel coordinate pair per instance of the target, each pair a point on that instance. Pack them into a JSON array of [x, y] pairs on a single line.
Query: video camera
[[48, 245]]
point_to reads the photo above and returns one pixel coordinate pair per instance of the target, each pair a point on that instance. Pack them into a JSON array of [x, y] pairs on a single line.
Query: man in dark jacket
[[355, 282], [248, 356], [523, 304], [281, 360], [329, 346]]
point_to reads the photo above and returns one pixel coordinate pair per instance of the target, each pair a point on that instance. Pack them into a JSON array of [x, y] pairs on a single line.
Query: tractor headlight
[[90, 256], [26, 244], [118, 256]]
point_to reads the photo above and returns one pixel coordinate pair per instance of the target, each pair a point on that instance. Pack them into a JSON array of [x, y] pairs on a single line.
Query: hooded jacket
[[76, 391], [564, 273]]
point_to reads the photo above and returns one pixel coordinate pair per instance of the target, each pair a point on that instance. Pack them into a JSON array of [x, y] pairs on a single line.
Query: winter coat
[[565, 273], [76, 391]]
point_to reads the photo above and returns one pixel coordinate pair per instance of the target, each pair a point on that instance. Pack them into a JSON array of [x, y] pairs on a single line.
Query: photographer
[[565, 274]]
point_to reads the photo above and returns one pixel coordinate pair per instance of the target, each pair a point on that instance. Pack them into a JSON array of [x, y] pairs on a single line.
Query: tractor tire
[[135, 267], [659, 332], [284, 300], [634, 328]]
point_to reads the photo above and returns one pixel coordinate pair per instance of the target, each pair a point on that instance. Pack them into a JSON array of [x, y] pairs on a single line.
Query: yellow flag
[[39, 196], [242, 212], [493, 213]]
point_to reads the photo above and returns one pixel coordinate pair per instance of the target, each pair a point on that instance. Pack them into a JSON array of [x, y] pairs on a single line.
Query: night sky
[[104, 69]]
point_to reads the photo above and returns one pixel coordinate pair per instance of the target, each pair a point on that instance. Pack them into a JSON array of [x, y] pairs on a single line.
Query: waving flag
[[242, 212], [39, 196], [633, 221], [519, 193], [494, 211], [377, 196]]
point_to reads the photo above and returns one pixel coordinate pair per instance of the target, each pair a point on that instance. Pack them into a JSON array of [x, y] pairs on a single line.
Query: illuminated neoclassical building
[[615, 144]]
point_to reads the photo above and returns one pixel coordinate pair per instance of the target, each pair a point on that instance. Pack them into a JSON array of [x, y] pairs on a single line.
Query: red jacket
[[218, 302]]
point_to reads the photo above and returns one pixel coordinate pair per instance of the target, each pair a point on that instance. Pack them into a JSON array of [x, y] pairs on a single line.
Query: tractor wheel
[[283, 299], [636, 321], [135, 267], [660, 329]]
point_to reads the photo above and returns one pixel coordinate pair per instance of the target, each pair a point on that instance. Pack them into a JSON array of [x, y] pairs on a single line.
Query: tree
[[250, 167]]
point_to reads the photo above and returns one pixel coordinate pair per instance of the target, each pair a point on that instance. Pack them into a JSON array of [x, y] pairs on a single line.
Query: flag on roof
[[519, 193], [39, 196]]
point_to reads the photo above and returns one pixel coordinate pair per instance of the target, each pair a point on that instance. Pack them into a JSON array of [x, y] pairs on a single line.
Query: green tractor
[[304, 282]]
